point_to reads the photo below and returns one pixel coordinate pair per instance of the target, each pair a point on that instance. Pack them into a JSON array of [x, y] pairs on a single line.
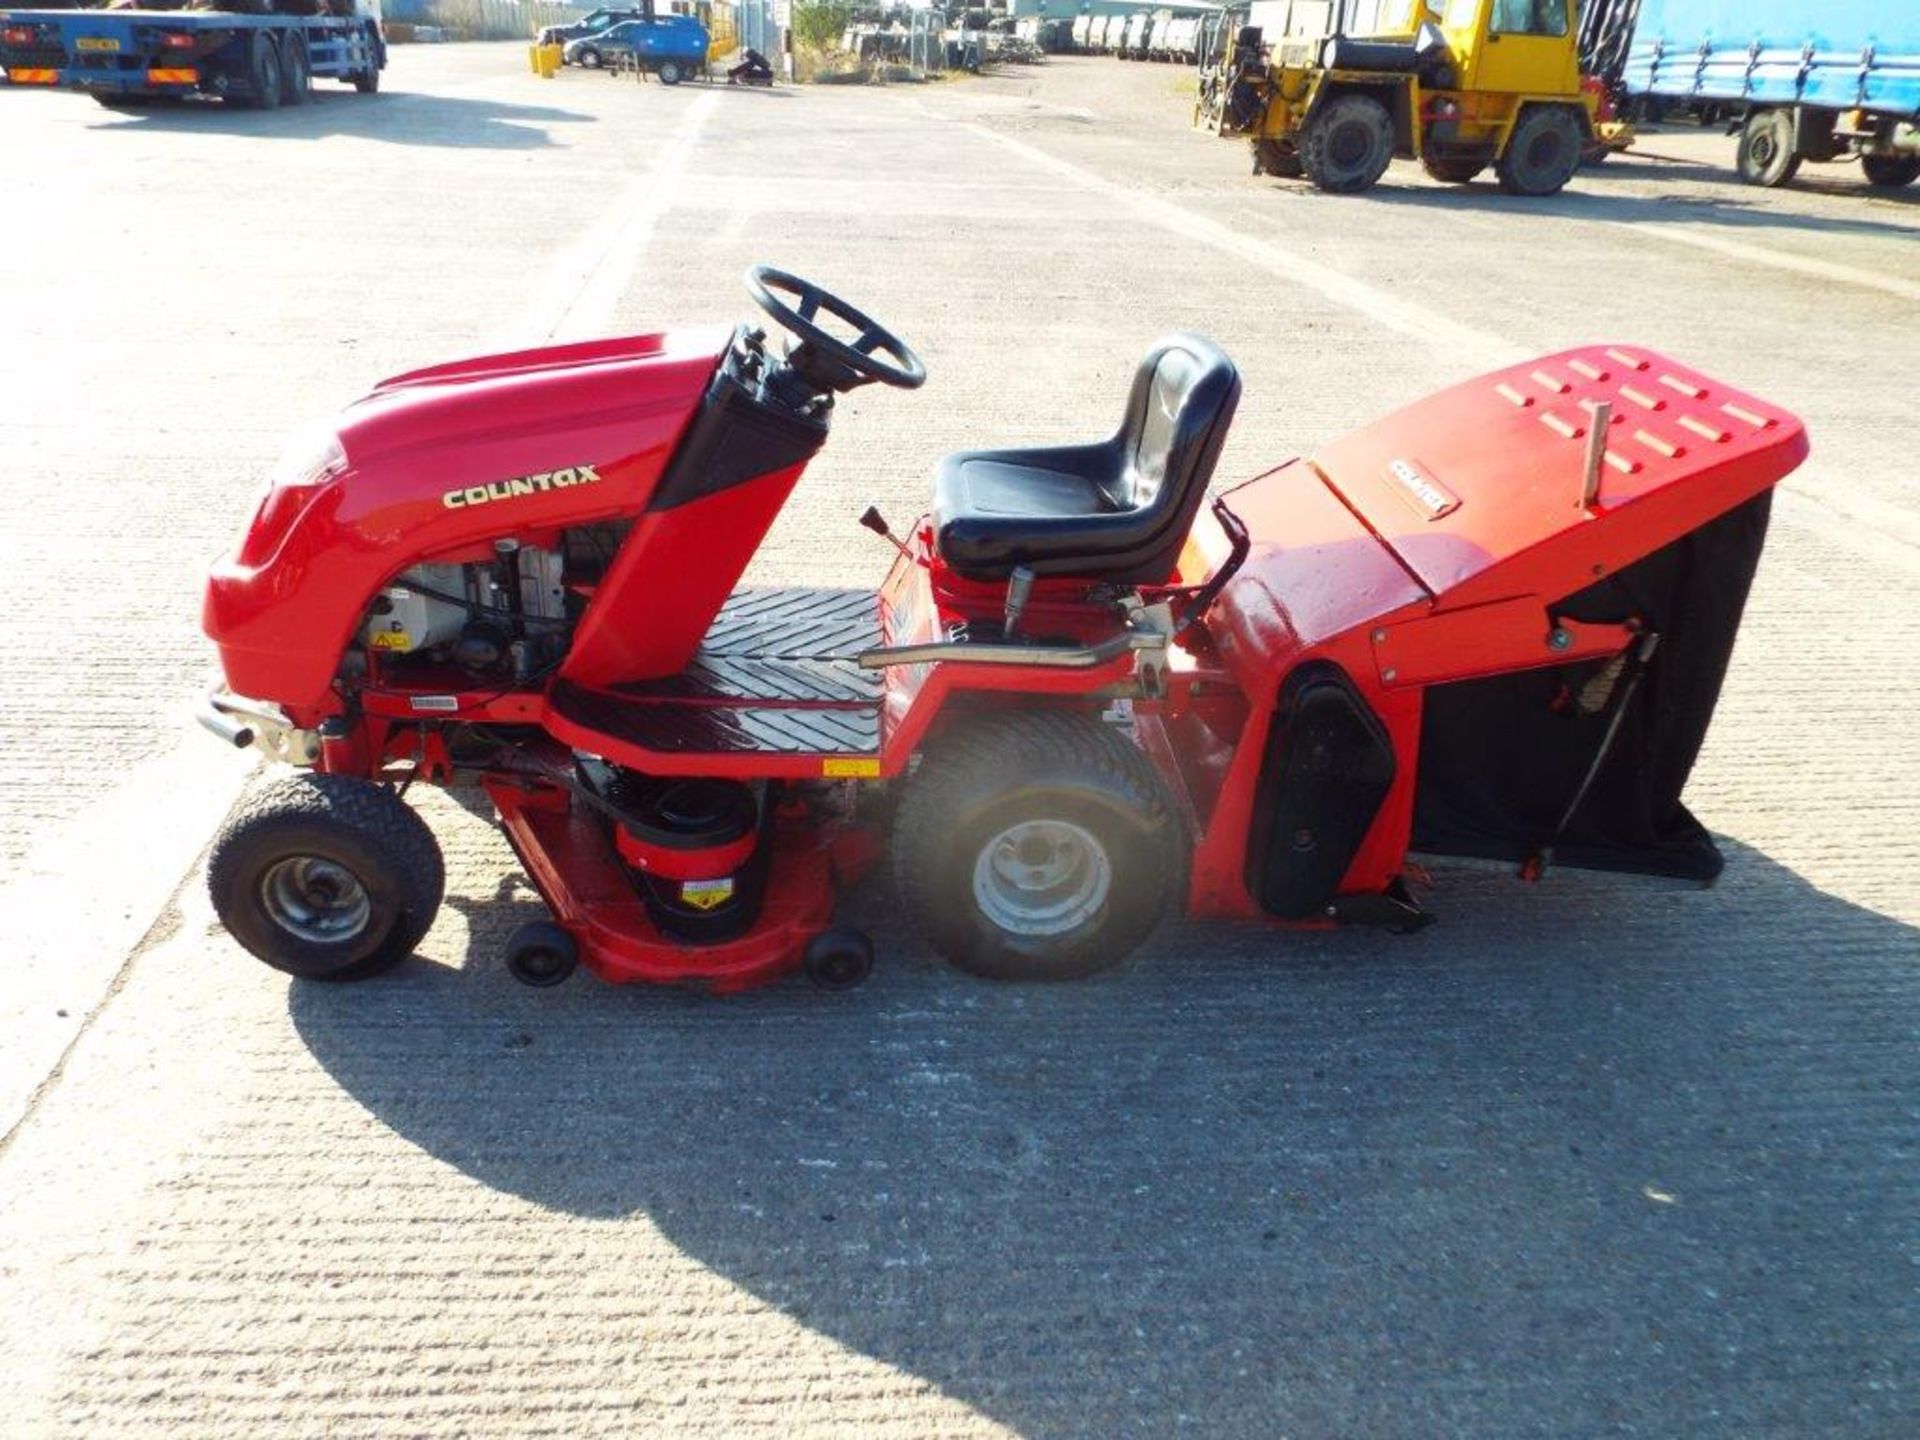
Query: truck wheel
[[1890, 172], [367, 81], [1270, 157], [264, 72], [1452, 170], [669, 72], [1037, 846], [296, 72], [326, 877], [1766, 155], [1347, 145], [1542, 153]]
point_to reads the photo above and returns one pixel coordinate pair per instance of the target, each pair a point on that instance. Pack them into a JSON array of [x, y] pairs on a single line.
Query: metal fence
[[480, 19]]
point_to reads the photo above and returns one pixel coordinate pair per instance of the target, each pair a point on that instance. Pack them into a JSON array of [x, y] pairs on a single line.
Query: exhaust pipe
[[229, 728]]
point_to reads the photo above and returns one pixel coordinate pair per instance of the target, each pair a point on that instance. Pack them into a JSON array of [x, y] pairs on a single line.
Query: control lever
[[1019, 586], [876, 522]]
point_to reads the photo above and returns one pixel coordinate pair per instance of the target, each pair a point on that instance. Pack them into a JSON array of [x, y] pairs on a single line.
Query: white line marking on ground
[[1448, 336], [588, 278], [1777, 259]]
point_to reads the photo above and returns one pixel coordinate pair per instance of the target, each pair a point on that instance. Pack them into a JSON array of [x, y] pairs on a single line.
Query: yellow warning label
[[706, 894], [391, 640], [858, 768]]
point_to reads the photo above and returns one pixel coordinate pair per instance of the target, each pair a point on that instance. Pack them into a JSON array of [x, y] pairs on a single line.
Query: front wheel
[[588, 59], [326, 877], [1766, 155], [1037, 846], [669, 73], [1270, 157], [1890, 172], [1542, 153]]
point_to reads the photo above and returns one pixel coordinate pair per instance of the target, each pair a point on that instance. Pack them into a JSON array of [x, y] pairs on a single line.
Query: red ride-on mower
[[1494, 624]]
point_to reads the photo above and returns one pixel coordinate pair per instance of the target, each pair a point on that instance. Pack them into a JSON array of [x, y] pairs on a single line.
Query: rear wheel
[[669, 72], [1348, 144], [1270, 157], [1766, 155], [1890, 172], [588, 58], [296, 72], [264, 73], [1037, 846], [326, 877], [1542, 153], [1452, 170]]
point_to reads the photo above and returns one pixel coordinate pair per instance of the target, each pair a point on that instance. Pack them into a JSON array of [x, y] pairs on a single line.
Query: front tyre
[[670, 72], [326, 877], [1037, 846]]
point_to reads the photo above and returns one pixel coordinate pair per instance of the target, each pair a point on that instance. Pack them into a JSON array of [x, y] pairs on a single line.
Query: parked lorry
[[130, 58], [1808, 81]]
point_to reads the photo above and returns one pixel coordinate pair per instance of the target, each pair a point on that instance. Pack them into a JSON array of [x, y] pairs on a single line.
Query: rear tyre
[[1037, 846], [1270, 157], [1542, 153], [1766, 155], [1451, 170], [1890, 172], [669, 72], [296, 72], [588, 58], [265, 74], [1348, 144], [326, 877]]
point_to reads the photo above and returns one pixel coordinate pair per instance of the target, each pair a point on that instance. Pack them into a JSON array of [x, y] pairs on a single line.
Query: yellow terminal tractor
[[1457, 84]]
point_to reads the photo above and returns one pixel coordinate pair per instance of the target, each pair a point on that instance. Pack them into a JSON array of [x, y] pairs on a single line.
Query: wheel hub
[[1042, 877], [315, 900]]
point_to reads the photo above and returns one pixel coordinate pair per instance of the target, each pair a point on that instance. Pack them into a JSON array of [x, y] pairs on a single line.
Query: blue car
[[671, 46]]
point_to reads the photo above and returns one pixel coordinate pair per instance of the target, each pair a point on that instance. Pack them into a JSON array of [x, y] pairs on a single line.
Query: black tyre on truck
[[1890, 172], [265, 75], [1542, 153], [1347, 144], [1766, 155], [296, 70]]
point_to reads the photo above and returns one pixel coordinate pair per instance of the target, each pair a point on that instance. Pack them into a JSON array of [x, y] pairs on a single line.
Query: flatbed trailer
[[129, 58]]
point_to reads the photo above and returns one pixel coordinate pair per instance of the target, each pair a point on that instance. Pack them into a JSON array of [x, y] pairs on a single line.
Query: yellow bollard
[[545, 60]]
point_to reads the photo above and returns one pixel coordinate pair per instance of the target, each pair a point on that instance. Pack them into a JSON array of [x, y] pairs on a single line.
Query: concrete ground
[[1593, 1158]]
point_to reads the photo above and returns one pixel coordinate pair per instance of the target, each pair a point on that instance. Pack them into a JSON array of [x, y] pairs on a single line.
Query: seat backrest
[[1183, 399]]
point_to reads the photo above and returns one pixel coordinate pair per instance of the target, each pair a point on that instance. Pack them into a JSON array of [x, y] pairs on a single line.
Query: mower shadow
[[395, 117], [1589, 1156]]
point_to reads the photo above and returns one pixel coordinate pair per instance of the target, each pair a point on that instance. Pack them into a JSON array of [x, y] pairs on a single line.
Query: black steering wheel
[[820, 358]]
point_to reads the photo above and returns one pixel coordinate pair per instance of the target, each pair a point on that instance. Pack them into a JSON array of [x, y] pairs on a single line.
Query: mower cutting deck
[[1494, 624]]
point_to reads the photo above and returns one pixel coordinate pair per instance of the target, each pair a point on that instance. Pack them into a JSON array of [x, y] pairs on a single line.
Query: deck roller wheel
[[541, 954], [839, 958]]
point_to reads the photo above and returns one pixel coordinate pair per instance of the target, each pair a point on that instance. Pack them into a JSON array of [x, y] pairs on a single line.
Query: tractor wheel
[[1766, 155], [1890, 172], [1037, 846], [1347, 145], [669, 72], [1542, 153], [1450, 169], [326, 877], [264, 73], [296, 72], [1270, 157]]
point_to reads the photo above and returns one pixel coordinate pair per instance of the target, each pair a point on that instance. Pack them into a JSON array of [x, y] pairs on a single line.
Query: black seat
[[1117, 510]]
